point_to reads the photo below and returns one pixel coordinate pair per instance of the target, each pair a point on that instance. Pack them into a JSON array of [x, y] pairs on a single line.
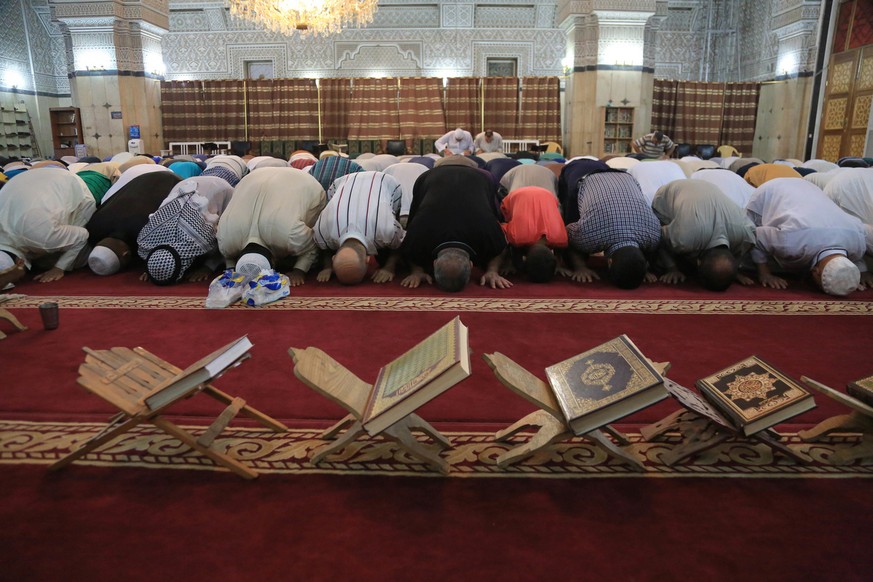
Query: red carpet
[[99, 523]]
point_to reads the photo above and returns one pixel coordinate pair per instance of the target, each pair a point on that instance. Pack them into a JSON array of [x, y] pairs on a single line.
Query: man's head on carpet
[[627, 267], [350, 262], [835, 274], [540, 263], [254, 259], [717, 268], [109, 256], [451, 269], [164, 266]]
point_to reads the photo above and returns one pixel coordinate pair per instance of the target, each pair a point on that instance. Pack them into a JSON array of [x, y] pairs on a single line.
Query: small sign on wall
[[134, 132], [115, 114]]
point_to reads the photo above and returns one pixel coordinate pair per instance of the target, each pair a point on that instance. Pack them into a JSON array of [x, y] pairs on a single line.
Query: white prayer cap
[[840, 276], [6, 261], [103, 261], [459, 134], [250, 264], [121, 157]]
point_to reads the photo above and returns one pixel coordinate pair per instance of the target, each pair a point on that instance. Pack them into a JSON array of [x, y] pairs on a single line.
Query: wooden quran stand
[[124, 377], [335, 382], [859, 420], [5, 314], [548, 423], [700, 433]]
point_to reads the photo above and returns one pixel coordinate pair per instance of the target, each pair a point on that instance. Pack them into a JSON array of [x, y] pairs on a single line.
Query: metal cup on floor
[[49, 314]]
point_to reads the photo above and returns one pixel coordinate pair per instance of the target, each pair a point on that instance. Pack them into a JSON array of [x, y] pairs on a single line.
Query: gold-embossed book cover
[[862, 390], [755, 395], [604, 384], [430, 368]]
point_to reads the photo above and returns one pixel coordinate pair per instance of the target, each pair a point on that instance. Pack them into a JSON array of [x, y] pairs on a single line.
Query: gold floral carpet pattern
[[483, 304], [472, 454]]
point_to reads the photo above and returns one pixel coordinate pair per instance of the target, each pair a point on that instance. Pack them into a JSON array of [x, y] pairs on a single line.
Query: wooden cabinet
[[16, 139], [66, 130], [618, 128]]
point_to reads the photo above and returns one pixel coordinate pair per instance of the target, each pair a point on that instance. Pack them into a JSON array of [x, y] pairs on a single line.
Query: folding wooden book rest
[[5, 314], [124, 377], [548, 423], [860, 420], [701, 432], [335, 382]]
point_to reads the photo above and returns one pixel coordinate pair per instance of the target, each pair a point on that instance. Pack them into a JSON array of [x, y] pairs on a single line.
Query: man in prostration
[[852, 190], [654, 145], [802, 230], [43, 213], [452, 225], [614, 218], [488, 142], [456, 142], [359, 221], [178, 242], [269, 220], [113, 228], [703, 232], [534, 228]]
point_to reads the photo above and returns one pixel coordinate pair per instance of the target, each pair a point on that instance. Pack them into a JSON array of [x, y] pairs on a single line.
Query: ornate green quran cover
[[755, 395], [862, 390], [427, 370], [604, 384]]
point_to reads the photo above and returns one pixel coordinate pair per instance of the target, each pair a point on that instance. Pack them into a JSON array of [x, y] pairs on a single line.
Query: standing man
[[488, 142], [273, 210], [360, 219], [654, 145], [457, 142]]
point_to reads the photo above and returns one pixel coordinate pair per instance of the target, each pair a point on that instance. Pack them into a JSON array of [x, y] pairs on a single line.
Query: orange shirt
[[531, 213], [765, 172]]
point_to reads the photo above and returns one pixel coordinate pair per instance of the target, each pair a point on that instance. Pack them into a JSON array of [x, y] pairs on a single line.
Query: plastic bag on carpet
[[225, 289], [267, 287]]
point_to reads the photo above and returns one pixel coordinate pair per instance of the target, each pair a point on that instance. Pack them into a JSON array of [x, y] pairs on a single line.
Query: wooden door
[[835, 115]]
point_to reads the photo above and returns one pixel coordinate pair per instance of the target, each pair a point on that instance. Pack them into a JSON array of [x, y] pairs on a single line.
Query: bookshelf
[[16, 139], [618, 129], [66, 130]]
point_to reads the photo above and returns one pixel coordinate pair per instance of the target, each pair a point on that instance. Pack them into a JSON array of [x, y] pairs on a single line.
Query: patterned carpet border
[[472, 456], [484, 304]]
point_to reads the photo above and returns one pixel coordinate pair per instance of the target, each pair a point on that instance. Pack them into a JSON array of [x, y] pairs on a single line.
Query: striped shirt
[[328, 169], [613, 214], [364, 206], [651, 148]]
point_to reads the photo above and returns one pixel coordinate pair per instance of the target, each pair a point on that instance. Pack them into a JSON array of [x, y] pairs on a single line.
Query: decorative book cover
[[862, 390], [431, 362], [755, 394], [601, 378]]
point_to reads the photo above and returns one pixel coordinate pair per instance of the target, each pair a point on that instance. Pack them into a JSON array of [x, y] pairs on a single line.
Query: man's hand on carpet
[[296, 277], [581, 275], [744, 279], [13, 274], [53, 274], [650, 277], [415, 279], [672, 277], [382, 276], [866, 281], [144, 277], [199, 274], [774, 282], [324, 275], [495, 281]]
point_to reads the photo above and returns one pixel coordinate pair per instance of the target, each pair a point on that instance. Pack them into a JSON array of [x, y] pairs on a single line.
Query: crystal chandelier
[[307, 16]]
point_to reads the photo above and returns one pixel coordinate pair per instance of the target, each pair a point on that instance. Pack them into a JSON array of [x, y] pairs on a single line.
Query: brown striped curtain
[[421, 109], [335, 97], [373, 113], [203, 110], [462, 104], [501, 106], [740, 113], [540, 116], [706, 113], [282, 109]]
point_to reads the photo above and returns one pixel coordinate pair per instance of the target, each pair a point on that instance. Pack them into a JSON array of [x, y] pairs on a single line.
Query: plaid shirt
[[614, 214]]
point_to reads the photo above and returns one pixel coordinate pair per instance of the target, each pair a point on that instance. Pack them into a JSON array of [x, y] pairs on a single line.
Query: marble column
[[115, 65]]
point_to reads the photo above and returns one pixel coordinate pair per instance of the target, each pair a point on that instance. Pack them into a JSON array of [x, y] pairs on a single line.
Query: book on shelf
[[199, 373], [421, 374], [604, 384], [861, 390], [754, 395]]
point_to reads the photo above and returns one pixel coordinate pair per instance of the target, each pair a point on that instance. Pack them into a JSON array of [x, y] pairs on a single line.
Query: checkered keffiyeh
[[614, 213], [224, 173], [174, 236]]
